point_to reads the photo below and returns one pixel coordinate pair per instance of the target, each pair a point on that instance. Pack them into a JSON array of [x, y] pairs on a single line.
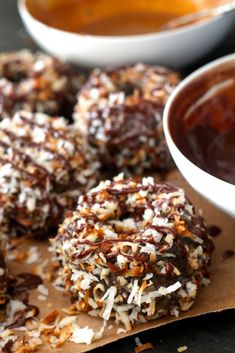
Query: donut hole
[[14, 71], [15, 77], [128, 88], [125, 215], [124, 218]]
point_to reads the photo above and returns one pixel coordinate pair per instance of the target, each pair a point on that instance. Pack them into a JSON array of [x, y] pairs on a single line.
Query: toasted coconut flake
[[182, 349], [143, 347], [82, 335]]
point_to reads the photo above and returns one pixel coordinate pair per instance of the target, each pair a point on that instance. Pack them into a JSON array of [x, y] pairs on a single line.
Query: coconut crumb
[[144, 347], [121, 330], [182, 349], [137, 341], [42, 297], [33, 255], [43, 290]]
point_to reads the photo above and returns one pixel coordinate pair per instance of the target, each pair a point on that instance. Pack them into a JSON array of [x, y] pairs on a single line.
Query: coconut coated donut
[[120, 111], [134, 251], [36, 82], [44, 166]]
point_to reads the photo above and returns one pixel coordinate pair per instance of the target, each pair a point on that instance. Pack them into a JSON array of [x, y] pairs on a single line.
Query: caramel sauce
[[110, 17]]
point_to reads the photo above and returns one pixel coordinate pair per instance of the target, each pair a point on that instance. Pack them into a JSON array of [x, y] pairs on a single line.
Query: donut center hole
[[129, 220], [128, 88], [14, 72]]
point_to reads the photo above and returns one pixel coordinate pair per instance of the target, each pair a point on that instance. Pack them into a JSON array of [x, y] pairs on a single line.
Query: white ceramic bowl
[[176, 48], [189, 91]]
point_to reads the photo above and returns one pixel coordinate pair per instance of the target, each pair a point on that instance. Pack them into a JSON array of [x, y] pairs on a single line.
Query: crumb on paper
[[40, 269], [182, 349], [59, 284], [141, 347], [33, 255], [42, 297], [43, 290], [137, 341], [82, 335], [55, 329]]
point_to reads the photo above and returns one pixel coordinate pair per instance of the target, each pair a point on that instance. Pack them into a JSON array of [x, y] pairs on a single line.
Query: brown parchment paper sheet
[[220, 295]]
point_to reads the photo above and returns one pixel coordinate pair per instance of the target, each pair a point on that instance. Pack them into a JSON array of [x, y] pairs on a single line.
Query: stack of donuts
[[130, 249]]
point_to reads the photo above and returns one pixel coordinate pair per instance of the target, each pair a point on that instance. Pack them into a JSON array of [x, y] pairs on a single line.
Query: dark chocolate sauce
[[206, 132], [214, 151]]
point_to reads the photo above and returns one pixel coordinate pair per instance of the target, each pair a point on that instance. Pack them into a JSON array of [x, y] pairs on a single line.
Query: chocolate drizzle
[[25, 142]]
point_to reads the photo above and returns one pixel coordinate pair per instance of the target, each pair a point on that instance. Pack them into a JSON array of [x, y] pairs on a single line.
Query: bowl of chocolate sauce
[[199, 125]]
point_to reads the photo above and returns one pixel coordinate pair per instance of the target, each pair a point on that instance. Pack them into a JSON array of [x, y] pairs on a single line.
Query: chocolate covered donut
[[37, 83], [133, 251], [120, 111], [44, 166]]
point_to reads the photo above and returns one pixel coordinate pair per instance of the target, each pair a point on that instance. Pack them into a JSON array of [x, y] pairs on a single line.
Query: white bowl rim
[[195, 75], [164, 34]]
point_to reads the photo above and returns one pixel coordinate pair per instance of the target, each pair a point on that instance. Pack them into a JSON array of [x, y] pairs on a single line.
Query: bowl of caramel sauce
[[118, 32], [199, 124]]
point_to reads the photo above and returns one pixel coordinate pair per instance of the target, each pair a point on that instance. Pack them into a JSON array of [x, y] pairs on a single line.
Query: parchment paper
[[220, 295]]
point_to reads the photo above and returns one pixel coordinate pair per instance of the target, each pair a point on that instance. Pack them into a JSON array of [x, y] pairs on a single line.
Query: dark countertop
[[210, 333]]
